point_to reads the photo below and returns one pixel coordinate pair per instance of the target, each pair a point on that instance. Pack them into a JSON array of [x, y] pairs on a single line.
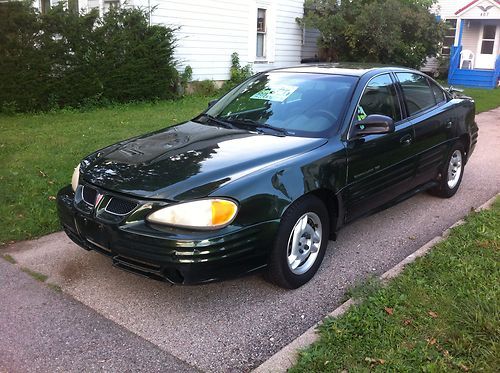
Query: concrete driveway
[[236, 325]]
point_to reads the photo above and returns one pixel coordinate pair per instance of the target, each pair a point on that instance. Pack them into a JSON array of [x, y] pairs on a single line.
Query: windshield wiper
[[262, 128], [221, 122]]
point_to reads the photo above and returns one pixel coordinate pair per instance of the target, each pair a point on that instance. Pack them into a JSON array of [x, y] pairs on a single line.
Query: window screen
[[417, 92]]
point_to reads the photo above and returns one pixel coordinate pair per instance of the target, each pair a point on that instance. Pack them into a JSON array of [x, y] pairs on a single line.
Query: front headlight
[[75, 178], [205, 213]]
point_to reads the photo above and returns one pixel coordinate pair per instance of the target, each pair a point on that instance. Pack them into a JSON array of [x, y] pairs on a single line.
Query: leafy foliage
[[238, 73], [185, 78], [66, 59], [401, 32], [205, 87]]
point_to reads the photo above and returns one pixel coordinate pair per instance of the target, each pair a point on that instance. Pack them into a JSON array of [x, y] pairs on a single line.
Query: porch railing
[[496, 76], [454, 60], [485, 78]]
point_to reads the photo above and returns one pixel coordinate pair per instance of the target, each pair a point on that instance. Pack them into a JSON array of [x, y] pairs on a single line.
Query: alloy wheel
[[304, 243], [454, 168]]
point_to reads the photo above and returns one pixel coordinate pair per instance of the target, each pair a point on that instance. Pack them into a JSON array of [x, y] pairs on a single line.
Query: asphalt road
[[44, 331], [236, 325]]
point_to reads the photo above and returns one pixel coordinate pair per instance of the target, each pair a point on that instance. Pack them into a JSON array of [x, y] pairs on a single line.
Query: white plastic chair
[[466, 59]]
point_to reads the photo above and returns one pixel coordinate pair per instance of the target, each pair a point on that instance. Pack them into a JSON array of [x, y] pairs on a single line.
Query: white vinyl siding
[[210, 31], [471, 34], [288, 35], [310, 43]]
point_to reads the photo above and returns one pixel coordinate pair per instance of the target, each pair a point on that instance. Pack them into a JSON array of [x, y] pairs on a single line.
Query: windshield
[[301, 104]]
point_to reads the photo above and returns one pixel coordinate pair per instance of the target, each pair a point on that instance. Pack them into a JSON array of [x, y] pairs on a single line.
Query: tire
[[307, 219], [450, 180]]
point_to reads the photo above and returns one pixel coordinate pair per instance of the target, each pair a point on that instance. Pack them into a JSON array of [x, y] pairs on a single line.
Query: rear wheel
[[300, 244], [451, 173]]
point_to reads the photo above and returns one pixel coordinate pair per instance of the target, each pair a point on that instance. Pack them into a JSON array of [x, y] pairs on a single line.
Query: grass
[[9, 258], [36, 275], [486, 99], [38, 153], [441, 314], [54, 287]]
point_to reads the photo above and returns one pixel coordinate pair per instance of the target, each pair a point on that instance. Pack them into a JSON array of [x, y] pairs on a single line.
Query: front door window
[[488, 47]]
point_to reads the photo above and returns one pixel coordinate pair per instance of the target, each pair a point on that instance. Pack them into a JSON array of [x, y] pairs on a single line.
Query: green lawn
[[486, 99], [441, 314], [39, 151]]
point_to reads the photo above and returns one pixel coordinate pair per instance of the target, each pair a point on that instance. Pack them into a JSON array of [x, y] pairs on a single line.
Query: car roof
[[341, 68]]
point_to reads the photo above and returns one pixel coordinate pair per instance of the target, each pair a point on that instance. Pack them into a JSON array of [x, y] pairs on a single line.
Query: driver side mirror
[[212, 103], [373, 124]]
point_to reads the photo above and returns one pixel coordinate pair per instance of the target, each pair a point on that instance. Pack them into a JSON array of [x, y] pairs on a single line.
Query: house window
[[44, 6], [73, 6], [111, 4], [261, 33], [488, 41], [449, 37]]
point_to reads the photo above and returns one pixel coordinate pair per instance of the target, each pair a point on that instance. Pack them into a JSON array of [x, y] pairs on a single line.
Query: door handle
[[406, 140], [449, 123]]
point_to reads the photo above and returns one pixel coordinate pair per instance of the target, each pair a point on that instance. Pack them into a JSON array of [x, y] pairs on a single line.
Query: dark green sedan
[[268, 173]]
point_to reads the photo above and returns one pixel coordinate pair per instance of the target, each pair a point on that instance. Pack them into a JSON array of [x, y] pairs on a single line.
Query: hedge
[[66, 59]]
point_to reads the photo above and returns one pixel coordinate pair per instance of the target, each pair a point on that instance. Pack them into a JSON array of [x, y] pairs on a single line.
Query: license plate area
[[94, 233]]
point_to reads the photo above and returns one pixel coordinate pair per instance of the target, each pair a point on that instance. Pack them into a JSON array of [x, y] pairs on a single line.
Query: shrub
[[238, 73], [204, 87], [66, 59], [185, 78]]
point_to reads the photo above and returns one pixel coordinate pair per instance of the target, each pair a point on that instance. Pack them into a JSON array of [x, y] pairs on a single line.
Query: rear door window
[[439, 94], [418, 95]]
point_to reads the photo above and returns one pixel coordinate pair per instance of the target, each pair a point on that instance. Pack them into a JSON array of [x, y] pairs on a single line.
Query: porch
[[475, 54]]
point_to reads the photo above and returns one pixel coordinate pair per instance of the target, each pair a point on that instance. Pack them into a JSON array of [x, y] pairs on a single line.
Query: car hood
[[189, 160]]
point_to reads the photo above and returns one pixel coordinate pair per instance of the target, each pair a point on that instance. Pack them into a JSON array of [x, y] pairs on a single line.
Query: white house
[[264, 33], [472, 42]]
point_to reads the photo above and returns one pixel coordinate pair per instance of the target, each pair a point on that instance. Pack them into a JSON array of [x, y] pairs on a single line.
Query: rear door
[[380, 167], [432, 120]]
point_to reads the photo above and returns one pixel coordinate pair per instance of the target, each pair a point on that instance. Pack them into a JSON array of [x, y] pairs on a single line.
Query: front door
[[487, 49], [379, 167]]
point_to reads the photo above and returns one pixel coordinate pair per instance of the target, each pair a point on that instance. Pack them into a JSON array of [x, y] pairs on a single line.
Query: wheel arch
[[465, 140], [333, 204]]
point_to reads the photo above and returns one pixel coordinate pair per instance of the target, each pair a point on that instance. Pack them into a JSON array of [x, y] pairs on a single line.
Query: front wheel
[[452, 173], [300, 244]]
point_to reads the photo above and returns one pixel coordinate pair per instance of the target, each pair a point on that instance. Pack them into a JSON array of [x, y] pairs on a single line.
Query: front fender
[[266, 194]]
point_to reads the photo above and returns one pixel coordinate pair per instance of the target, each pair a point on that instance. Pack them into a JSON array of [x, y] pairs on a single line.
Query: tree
[[401, 32]]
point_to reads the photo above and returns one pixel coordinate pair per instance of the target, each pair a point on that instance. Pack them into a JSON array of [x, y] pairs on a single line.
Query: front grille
[[89, 195], [120, 206]]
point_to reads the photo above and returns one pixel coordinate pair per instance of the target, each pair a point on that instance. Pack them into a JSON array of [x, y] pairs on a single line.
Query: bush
[[204, 87], [238, 74], [185, 78], [66, 59]]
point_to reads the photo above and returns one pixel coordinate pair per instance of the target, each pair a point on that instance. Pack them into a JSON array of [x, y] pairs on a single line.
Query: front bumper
[[167, 254]]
